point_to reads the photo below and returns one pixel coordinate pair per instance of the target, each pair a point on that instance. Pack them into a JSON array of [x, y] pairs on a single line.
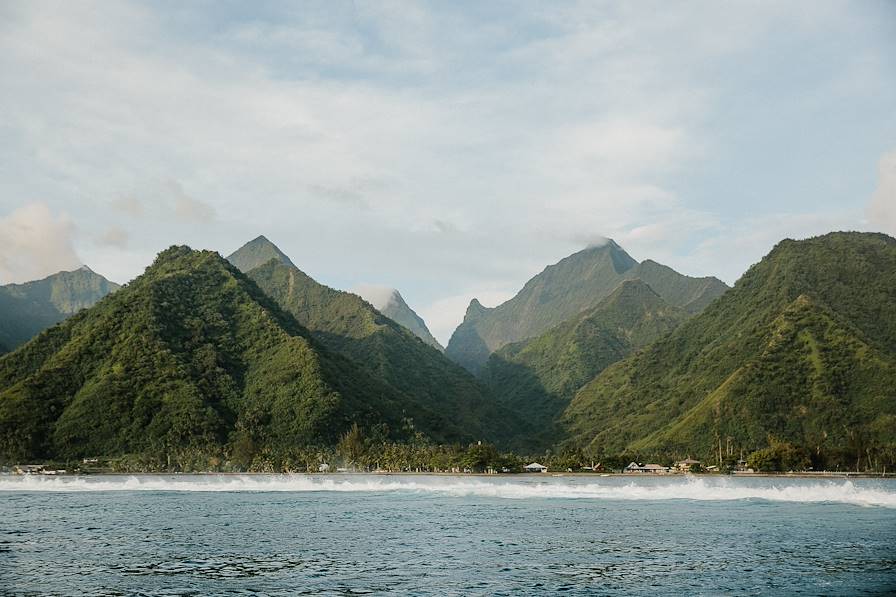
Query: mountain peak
[[256, 252]]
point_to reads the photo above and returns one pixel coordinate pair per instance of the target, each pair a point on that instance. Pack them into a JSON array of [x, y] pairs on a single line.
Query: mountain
[[801, 350], [27, 309], [255, 253], [347, 324], [564, 290], [540, 376], [390, 303], [190, 361]]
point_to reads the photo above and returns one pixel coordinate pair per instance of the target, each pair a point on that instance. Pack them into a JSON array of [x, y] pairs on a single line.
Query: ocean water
[[435, 535]]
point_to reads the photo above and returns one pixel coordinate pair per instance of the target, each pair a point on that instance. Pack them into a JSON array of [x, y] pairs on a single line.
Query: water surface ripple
[[427, 535]]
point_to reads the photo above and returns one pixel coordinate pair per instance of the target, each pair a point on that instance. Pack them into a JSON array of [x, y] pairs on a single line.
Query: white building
[[535, 468]]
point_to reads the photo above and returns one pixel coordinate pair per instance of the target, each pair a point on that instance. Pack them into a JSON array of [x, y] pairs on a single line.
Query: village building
[[535, 468], [686, 464], [636, 467]]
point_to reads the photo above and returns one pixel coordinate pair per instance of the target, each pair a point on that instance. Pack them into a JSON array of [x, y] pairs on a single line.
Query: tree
[[351, 445]]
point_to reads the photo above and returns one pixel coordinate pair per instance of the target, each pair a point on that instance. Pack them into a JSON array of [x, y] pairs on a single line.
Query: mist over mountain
[[390, 303], [29, 308], [564, 290], [801, 350]]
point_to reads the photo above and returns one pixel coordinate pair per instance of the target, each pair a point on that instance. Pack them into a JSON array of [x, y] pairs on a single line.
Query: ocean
[[446, 535]]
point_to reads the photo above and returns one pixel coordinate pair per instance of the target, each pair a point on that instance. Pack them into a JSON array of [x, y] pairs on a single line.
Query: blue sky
[[450, 150]]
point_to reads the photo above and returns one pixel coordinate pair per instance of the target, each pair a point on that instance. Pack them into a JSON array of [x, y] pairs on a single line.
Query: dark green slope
[[564, 290], [460, 408], [190, 360], [538, 377], [802, 349], [26, 309]]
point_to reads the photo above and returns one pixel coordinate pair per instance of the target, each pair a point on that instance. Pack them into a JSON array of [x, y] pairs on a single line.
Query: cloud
[[35, 243], [129, 205], [453, 149], [114, 236], [186, 207], [881, 210], [339, 195], [376, 295]]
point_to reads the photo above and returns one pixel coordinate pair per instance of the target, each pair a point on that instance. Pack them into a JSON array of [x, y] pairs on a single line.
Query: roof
[[689, 461], [535, 465]]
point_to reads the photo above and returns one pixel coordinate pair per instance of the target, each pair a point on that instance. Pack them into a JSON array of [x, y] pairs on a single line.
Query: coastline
[[792, 475]]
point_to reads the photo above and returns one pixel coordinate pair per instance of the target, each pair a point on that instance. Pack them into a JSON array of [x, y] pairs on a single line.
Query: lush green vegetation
[[538, 377], [447, 401], [564, 290], [27, 309], [801, 351], [190, 363], [197, 366]]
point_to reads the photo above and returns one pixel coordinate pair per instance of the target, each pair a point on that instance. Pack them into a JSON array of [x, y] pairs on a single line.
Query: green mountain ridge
[[564, 290], [347, 324], [802, 350], [29, 308], [540, 376], [191, 362]]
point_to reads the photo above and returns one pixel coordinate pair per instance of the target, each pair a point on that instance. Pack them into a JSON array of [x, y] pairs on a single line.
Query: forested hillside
[[192, 362], [540, 376], [802, 350], [345, 323]]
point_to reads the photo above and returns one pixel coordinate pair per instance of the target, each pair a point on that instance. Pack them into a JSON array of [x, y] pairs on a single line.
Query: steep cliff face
[[564, 290]]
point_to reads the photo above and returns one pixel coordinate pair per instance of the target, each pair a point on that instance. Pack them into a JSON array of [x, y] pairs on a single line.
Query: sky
[[447, 149]]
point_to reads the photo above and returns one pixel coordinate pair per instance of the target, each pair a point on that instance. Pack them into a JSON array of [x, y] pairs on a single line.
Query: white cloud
[[186, 207], [128, 205], [376, 295], [35, 243], [114, 236], [882, 208], [441, 148]]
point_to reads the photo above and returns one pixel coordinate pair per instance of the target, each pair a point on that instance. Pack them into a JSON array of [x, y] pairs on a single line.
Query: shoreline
[[797, 475]]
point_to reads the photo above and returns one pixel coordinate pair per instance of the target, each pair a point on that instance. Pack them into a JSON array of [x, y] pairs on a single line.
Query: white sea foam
[[864, 493]]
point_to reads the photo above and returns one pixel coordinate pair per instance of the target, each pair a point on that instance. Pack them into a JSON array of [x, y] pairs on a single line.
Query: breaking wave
[[857, 492]]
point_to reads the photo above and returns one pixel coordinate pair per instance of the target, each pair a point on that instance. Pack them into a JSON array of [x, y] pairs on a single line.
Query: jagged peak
[[474, 309], [257, 252]]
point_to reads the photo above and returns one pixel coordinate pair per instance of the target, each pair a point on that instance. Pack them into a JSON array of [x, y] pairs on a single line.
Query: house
[[535, 468], [28, 469], [686, 464], [323, 468], [636, 467]]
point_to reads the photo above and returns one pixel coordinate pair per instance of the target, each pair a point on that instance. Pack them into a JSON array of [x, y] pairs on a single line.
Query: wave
[[688, 488]]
